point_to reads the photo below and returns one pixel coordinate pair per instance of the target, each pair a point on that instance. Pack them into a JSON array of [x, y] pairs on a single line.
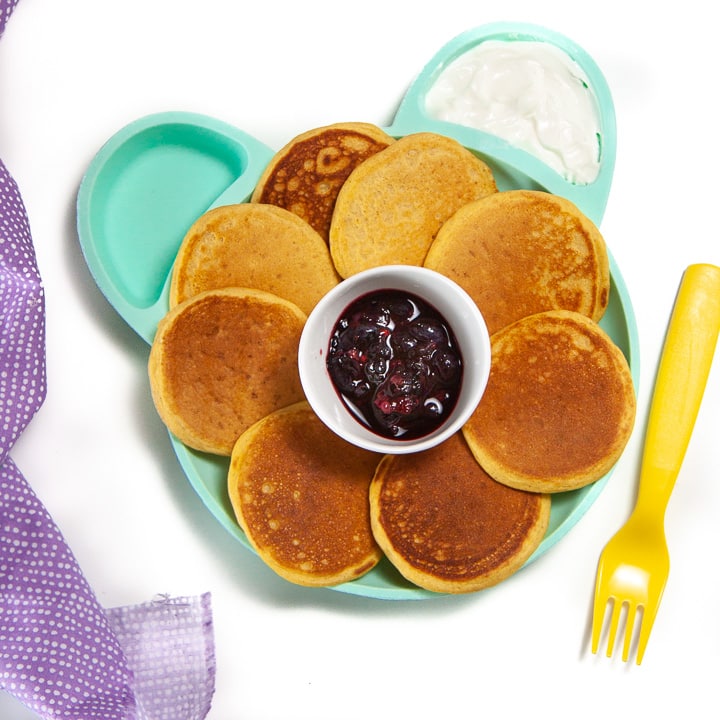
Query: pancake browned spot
[[559, 406], [255, 246], [306, 175], [446, 525], [222, 360], [300, 493], [392, 205], [520, 252]]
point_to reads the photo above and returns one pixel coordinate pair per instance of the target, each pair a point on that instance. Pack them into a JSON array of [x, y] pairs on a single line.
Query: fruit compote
[[394, 360]]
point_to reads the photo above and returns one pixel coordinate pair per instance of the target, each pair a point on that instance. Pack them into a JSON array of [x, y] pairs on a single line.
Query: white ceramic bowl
[[449, 299]]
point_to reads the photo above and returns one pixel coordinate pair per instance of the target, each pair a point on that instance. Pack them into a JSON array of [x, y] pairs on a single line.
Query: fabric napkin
[[61, 653]]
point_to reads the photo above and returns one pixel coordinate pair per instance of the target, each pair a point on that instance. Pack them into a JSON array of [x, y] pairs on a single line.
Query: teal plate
[[154, 177], [143, 189]]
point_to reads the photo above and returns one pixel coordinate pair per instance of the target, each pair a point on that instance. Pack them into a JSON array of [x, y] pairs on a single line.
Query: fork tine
[[598, 617], [633, 612], [598, 622], [614, 623], [599, 611]]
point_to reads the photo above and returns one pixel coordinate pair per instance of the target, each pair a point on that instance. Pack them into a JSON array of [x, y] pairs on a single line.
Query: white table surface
[[72, 73]]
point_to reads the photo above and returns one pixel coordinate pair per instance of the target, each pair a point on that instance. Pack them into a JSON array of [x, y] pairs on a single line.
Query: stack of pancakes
[[556, 415]]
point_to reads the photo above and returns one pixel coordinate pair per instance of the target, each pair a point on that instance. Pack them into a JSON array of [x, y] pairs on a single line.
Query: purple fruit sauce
[[395, 362]]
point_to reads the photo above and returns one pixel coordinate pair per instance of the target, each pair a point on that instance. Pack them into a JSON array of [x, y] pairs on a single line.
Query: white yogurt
[[529, 93]]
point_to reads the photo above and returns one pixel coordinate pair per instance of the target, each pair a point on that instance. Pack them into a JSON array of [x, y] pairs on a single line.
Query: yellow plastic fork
[[634, 566]]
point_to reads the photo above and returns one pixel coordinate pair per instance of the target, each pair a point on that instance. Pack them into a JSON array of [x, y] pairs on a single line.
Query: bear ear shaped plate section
[[141, 193], [447, 97]]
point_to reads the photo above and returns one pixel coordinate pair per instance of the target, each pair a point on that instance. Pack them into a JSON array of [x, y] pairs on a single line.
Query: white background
[[72, 73]]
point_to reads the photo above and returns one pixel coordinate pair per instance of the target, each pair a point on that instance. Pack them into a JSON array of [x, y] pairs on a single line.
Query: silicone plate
[[142, 191], [152, 179]]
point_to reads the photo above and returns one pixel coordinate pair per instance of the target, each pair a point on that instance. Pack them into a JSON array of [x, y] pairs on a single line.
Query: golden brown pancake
[[306, 175], [300, 493], [520, 252], [392, 205], [446, 525], [559, 406], [256, 246], [222, 360]]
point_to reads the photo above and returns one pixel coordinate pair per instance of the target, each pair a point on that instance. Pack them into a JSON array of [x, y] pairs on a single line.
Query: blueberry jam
[[395, 361]]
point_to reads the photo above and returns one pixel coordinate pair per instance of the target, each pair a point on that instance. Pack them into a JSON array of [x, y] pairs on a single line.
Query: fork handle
[[680, 383]]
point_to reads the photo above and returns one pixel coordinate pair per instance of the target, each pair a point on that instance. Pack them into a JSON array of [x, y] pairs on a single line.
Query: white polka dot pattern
[[169, 646], [61, 654], [6, 8], [22, 313], [58, 654]]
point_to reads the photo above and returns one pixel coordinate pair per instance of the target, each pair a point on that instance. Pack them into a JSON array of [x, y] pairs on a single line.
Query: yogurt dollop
[[531, 94]]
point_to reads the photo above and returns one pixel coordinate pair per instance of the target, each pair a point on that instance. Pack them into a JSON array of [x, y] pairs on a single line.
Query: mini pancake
[[520, 252], [306, 175], [392, 206], [559, 406], [446, 525], [222, 360], [300, 494], [255, 246]]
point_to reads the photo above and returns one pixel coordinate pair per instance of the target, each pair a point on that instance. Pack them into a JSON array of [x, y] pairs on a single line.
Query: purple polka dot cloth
[[61, 654]]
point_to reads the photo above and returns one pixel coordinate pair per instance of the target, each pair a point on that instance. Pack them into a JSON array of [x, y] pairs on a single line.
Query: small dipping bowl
[[463, 318]]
